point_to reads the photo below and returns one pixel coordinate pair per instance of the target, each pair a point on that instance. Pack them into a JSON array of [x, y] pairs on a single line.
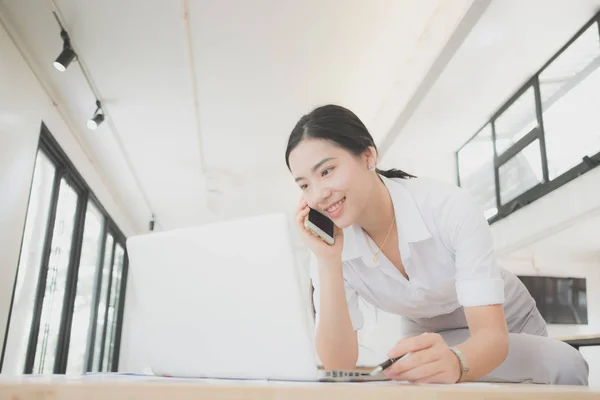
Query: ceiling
[[201, 95]]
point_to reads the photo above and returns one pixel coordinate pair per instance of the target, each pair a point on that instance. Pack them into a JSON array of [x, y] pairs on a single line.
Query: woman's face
[[333, 181]]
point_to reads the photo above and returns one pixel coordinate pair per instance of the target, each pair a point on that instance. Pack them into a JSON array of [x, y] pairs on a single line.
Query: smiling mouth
[[335, 206]]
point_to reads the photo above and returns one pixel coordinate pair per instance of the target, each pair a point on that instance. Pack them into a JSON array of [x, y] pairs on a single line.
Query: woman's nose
[[324, 194], [318, 197]]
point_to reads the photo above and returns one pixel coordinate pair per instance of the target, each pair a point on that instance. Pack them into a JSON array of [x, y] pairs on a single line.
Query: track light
[[67, 55], [98, 117]]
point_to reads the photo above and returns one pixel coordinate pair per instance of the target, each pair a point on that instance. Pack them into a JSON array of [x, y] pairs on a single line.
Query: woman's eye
[[303, 187], [326, 171]]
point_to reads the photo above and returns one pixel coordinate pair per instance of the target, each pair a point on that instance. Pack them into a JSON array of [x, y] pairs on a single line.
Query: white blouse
[[446, 248]]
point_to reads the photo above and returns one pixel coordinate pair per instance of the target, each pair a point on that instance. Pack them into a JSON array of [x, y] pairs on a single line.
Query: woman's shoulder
[[441, 202]]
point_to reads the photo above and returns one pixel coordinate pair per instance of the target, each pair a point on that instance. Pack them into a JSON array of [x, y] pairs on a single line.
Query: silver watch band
[[464, 367]]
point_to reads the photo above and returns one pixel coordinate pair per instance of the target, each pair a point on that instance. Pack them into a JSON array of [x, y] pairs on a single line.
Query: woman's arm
[[336, 340], [487, 347], [479, 289], [430, 360]]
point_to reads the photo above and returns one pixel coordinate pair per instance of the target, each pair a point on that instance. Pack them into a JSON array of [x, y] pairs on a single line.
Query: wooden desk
[[582, 340], [134, 388]]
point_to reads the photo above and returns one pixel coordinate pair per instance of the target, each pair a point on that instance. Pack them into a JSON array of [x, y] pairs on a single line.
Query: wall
[[23, 107], [439, 165]]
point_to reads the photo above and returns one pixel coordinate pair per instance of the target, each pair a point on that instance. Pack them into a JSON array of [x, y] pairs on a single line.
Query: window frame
[[66, 170], [547, 185]]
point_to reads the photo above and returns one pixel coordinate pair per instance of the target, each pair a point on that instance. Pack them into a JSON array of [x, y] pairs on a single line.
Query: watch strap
[[464, 367]]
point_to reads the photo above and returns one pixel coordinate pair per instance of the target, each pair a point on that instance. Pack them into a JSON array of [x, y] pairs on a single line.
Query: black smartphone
[[321, 226]]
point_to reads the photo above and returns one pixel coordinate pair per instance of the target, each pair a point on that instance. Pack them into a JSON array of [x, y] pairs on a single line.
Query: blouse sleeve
[[478, 278]]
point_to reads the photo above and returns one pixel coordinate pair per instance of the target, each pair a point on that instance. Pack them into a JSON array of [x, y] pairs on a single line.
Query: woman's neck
[[379, 212]]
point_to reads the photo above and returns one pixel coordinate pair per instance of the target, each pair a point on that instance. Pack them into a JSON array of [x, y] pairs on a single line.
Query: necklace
[[376, 253]]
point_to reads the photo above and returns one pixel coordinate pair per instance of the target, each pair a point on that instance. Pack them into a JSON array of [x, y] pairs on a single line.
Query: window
[[546, 135], [101, 313], [56, 279], [84, 298], [570, 91], [476, 169], [516, 121], [520, 172], [55, 307], [30, 262]]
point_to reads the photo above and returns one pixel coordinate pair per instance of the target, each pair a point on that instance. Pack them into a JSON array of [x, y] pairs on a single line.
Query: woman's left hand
[[430, 360]]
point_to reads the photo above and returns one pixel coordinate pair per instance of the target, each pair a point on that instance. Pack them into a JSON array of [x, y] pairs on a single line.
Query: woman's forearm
[[336, 340], [484, 351]]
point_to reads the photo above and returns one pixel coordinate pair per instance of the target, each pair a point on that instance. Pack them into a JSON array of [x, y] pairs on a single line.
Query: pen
[[386, 364]]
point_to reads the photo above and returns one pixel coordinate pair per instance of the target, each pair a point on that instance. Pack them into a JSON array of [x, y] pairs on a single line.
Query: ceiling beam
[[472, 16]]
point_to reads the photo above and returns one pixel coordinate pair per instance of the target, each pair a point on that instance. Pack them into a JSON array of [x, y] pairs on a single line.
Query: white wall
[[23, 107], [439, 165]]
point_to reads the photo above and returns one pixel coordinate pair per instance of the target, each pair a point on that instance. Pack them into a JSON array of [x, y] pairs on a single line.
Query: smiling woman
[[418, 248]]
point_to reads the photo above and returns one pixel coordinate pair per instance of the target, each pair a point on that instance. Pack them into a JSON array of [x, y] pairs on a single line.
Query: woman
[[421, 249]]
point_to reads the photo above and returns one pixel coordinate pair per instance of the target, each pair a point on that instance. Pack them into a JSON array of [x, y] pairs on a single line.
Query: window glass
[[476, 170], [84, 297], [516, 121], [36, 226], [108, 250], [521, 173], [570, 92], [56, 280]]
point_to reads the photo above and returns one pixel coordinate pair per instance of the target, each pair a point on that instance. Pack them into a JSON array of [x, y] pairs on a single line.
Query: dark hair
[[340, 126]]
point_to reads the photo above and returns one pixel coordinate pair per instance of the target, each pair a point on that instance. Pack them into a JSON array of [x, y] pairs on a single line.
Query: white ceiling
[[201, 95]]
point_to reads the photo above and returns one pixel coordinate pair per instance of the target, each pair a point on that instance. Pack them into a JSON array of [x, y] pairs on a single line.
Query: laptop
[[222, 300]]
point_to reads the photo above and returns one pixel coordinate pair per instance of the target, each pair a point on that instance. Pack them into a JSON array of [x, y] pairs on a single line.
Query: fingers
[[301, 212], [421, 373], [414, 344], [301, 216], [301, 204], [414, 360], [338, 233], [429, 360]]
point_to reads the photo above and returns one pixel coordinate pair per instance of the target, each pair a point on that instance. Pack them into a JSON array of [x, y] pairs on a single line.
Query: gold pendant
[[376, 259]]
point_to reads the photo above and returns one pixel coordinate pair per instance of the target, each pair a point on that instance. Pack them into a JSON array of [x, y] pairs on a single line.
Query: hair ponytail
[[394, 173]]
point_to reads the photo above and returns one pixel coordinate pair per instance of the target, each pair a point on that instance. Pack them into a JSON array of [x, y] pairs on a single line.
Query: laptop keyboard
[[344, 374]]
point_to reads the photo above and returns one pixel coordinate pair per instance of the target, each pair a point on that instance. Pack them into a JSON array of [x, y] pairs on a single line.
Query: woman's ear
[[370, 157]]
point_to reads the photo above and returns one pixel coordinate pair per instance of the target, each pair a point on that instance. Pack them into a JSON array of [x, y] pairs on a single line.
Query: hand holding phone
[[320, 234], [320, 225]]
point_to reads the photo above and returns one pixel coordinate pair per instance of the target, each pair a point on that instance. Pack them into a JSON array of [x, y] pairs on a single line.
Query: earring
[[371, 167]]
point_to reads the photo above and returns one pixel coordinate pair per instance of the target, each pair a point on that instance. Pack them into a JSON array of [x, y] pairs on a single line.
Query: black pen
[[386, 364]]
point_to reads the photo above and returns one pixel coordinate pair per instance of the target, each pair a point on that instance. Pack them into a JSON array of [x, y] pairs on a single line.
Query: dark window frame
[[66, 170], [547, 185]]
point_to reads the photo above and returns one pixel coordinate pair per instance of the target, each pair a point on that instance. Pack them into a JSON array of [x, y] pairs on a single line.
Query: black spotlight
[[98, 117], [67, 55]]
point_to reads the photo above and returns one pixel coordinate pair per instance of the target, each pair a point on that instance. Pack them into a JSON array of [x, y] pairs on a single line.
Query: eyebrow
[[317, 166]]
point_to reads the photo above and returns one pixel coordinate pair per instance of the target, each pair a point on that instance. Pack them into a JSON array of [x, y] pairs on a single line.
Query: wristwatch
[[464, 367]]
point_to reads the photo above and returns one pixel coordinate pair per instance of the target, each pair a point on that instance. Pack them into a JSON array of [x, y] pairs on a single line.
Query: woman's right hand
[[323, 251]]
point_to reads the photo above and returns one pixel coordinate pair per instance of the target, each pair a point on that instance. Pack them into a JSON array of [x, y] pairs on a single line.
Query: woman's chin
[[343, 223]]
